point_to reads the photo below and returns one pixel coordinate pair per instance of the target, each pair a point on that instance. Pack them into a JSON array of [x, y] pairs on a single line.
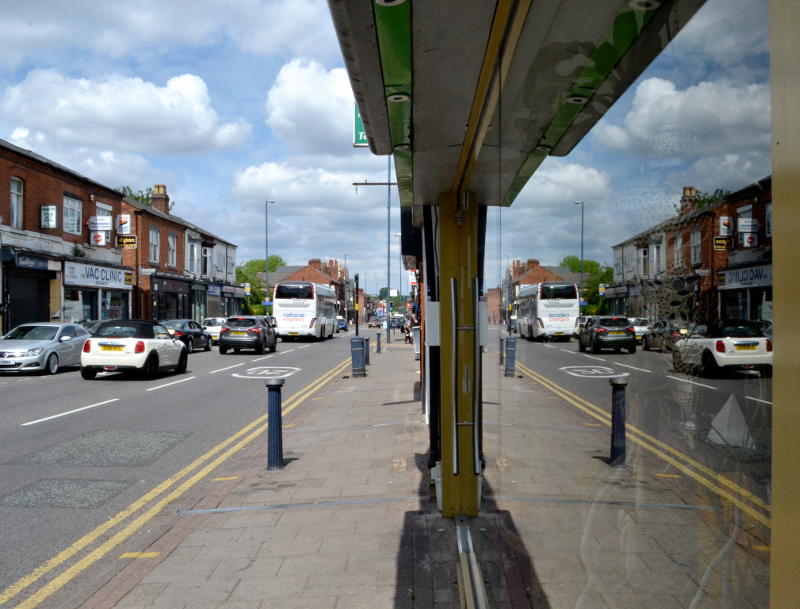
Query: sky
[[230, 104]]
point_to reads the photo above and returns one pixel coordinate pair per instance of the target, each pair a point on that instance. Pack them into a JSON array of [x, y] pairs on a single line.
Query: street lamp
[[580, 288], [400, 267], [346, 318], [267, 203]]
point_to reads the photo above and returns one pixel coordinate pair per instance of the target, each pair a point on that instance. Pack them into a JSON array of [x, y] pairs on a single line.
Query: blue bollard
[[618, 384], [275, 427], [511, 355], [501, 350], [366, 350], [378, 344], [357, 356]]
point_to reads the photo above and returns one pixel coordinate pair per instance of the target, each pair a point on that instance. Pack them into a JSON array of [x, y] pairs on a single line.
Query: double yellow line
[[725, 488], [203, 465]]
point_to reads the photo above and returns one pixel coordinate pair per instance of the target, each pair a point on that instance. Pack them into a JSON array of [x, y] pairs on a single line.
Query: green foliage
[[594, 273], [705, 198], [143, 196], [248, 272]]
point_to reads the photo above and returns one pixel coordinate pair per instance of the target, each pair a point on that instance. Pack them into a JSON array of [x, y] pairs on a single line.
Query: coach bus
[[547, 310], [302, 308]]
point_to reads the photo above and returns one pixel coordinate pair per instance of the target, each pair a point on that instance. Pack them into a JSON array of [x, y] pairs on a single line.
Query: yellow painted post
[[784, 59], [458, 262]]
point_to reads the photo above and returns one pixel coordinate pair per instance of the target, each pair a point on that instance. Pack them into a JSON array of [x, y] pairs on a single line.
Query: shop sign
[[635, 290], [124, 224], [722, 243], [168, 285], [77, 273], [213, 290], [238, 292], [725, 226], [100, 223], [126, 242], [128, 278], [228, 289], [749, 239], [98, 238], [49, 216], [748, 225], [750, 277], [31, 262]]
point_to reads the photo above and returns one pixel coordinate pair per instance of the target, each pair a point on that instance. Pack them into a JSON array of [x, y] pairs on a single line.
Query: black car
[[191, 333], [607, 333], [248, 332], [664, 333]]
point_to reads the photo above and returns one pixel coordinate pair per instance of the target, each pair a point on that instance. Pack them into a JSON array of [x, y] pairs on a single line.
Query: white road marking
[[632, 367], [63, 414], [287, 351], [22, 380], [599, 359], [567, 350], [228, 368], [747, 397], [304, 347], [258, 359], [691, 382], [172, 383], [552, 347]]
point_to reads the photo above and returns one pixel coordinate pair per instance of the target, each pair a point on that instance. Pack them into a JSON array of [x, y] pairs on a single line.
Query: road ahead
[[75, 453]]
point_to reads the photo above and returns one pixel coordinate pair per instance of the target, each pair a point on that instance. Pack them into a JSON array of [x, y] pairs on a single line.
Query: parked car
[[374, 322], [663, 334], [90, 325], [248, 332], [213, 325], [724, 344], [143, 346], [190, 332], [640, 327], [607, 333], [42, 347]]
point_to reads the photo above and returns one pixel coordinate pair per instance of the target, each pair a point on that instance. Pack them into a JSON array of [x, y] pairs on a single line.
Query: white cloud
[[705, 119], [121, 113], [125, 29], [311, 108]]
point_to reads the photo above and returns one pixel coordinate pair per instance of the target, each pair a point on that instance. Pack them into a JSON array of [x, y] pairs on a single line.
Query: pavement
[[351, 520]]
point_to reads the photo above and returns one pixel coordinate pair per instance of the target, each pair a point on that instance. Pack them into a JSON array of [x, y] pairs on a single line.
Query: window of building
[[172, 249], [16, 203], [768, 219], [743, 213], [220, 262], [644, 267], [193, 265], [155, 244], [677, 253], [105, 210], [696, 246], [206, 268], [658, 262], [73, 215]]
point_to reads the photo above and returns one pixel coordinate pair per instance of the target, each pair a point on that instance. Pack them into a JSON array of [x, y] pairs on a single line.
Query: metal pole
[[580, 289], [388, 244], [618, 384], [267, 203], [275, 434], [346, 317], [355, 296]]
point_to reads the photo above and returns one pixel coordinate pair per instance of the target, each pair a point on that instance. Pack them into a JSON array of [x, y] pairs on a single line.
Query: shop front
[[171, 298], [199, 306], [29, 288], [232, 299], [214, 301], [93, 291], [746, 292]]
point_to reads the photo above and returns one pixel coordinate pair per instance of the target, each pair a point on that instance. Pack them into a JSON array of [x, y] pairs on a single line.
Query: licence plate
[[238, 333], [112, 347], [617, 333], [558, 333], [6, 362], [746, 347], [684, 331]]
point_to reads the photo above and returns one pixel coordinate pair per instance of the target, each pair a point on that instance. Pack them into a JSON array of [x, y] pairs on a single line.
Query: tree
[[143, 196], [248, 272], [594, 273]]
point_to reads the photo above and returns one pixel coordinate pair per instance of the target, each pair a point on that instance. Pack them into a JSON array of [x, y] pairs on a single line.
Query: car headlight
[[32, 352]]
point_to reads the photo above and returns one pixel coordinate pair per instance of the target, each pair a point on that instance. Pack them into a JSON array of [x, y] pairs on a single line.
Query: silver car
[[42, 347]]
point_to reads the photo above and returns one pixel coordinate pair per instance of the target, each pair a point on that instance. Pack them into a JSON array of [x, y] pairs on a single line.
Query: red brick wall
[[493, 304], [309, 273], [45, 185]]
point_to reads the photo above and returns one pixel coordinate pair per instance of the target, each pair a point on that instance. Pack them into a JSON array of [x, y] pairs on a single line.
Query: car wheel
[[208, 345], [260, 348], [223, 350], [677, 362], [632, 349], [51, 367], [645, 344], [766, 372], [236, 350], [709, 368], [150, 368], [88, 374], [595, 348], [274, 346], [183, 360], [190, 345], [581, 346]]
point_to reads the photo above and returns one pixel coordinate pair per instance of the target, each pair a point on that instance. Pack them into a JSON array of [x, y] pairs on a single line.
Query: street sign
[[98, 237], [266, 302], [722, 243], [359, 133], [126, 242]]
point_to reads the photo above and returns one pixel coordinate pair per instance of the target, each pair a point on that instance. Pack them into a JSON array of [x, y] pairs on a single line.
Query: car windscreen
[[32, 333], [613, 322], [124, 330], [287, 290], [565, 291], [240, 322]]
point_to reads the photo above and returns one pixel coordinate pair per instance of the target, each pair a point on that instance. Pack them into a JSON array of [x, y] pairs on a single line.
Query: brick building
[[58, 255]]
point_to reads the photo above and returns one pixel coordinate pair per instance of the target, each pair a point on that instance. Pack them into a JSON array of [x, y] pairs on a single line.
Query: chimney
[[333, 269], [532, 264], [160, 198], [688, 200], [516, 269], [315, 263]]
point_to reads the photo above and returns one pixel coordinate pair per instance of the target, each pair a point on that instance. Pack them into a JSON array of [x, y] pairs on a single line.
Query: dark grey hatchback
[[607, 333], [247, 332]]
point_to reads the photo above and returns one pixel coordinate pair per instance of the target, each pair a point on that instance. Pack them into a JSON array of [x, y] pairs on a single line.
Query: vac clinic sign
[[76, 273]]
